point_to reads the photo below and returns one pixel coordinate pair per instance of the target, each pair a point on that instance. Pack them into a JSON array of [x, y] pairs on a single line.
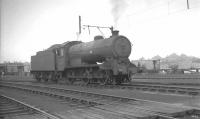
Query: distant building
[[2, 67], [148, 65], [15, 68]]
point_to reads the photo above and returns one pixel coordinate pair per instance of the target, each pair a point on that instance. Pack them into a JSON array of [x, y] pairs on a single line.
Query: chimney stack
[[115, 33]]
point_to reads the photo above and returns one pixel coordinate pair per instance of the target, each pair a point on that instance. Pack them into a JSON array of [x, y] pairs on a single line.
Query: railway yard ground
[[63, 101]]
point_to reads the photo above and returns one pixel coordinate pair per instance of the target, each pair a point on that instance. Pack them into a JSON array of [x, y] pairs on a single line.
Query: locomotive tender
[[103, 61]]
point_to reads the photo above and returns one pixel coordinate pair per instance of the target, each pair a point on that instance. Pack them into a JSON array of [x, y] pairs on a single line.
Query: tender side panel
[[43, 61]]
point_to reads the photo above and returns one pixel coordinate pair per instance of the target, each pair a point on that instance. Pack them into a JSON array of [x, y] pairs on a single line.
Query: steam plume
[[118, 7]]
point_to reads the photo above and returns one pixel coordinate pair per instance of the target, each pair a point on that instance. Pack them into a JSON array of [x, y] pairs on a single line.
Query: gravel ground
[[35, 116], [181, 82], [17, 78], [165, 84], [69, 110], [186, 100], [48, 104], [38, 100]]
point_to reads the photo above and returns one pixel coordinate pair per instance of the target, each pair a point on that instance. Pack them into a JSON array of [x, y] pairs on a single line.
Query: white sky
[[155, 27]]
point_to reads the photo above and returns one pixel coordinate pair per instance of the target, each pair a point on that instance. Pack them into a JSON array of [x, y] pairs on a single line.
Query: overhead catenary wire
[[188, 6], [101, 32], [166, 4], [98, 27], [151, 13]]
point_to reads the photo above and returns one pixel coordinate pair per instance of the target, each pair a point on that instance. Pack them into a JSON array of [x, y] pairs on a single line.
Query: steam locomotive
[[103, 61]]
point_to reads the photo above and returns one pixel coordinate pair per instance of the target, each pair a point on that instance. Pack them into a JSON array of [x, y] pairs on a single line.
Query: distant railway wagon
[[104, 60]]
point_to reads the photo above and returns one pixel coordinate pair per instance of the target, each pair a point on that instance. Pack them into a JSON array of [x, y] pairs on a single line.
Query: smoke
[[118, 8]]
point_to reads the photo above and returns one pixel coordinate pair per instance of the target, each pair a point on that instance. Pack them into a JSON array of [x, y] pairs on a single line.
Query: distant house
[[171, 64]]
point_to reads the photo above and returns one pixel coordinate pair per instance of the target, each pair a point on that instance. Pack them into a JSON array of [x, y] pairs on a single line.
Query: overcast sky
[[155, 27]]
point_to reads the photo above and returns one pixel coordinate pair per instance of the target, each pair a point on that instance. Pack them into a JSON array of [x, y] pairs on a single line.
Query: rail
[[46, 114], [185, 109]]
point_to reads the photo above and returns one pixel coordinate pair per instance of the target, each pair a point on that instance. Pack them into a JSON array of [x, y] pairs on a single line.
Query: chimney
[[115, 33]]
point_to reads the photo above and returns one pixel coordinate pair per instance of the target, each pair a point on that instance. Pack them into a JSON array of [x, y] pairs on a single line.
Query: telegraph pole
[[79, 25], [188, 6], [79, 28]]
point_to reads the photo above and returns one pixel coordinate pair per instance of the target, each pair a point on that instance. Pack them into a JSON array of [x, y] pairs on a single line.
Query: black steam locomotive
[[104, 61]]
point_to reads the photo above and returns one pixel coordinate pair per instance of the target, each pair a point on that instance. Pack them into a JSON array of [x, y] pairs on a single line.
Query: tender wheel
[[71, 80], [114, 81], [102, 81], [55, 80], [118, 81], [58, 77], [52, 78], [129, 78], [86, 81], [108, 77], [37, 77], [45, 79], [109, 80], [126, 79]]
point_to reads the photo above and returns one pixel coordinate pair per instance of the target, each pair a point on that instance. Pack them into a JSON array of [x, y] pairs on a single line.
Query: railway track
[[102, 104], [151, 87], [190, 80], [162, 88], [188, 90], [12, 108], [170, 78]]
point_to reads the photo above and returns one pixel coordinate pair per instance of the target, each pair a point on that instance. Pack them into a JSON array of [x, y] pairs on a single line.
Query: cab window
[[60, 52]]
